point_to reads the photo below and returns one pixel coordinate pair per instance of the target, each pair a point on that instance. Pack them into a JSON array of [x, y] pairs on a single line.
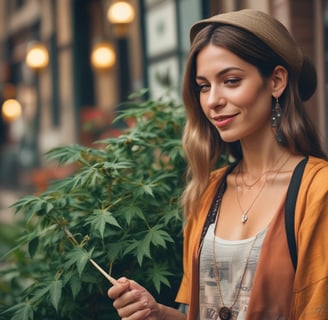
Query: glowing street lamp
[[120, 12], [37, 57], [103, 56], [11, 110]]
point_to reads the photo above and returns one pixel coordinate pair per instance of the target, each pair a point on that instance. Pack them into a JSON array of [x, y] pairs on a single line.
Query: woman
[[244, 87]]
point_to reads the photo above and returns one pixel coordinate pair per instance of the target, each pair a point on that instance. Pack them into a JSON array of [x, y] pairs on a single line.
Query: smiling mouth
[[221, 121], [222, 118]]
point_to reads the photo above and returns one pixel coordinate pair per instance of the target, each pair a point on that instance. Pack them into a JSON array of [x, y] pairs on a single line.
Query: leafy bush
[[120, 207]]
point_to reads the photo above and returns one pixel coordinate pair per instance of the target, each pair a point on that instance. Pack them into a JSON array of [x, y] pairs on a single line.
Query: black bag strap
[[290, 209]]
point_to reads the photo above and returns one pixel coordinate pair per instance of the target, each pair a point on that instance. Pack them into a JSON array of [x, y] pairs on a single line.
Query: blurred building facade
[[72, 99]]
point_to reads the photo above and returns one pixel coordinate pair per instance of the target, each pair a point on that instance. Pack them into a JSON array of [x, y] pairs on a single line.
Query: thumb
[[124, 282], [122, 285], [135, 285]]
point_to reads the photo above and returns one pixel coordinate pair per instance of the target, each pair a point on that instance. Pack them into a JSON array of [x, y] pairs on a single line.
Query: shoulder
[[313, 191], [316, 164], [218, 174], [316, 173], [215, 179], [206, 199], [311, 223]]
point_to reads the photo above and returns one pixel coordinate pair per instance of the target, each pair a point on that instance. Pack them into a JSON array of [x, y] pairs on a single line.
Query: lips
[[223, 120]]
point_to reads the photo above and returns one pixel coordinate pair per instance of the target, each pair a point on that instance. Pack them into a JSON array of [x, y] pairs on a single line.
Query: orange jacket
[[278, 292]]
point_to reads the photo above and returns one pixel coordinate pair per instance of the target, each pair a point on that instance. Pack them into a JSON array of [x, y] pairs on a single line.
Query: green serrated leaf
[[24, 313], [159, 275], [139, 248], [66, 154], [55, 291], [24, 202], [48, 206], [117, 165], [88, 176], [99, 219], [111, 220], [130, 212], [158, 280], [158, 237], [40, 293], [145, 190], [20, 311], [75, 284], [33, 246], [79, 257]]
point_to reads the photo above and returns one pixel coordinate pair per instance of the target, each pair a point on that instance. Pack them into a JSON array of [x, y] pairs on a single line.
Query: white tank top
[[231, 258]]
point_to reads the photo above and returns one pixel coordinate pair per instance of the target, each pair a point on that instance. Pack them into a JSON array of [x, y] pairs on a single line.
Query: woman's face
[[235, 98]]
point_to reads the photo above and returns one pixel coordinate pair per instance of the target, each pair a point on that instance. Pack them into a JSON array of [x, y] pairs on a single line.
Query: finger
[[137, 310], [127, 298], [139, 315], [122, 285], [136, 285]]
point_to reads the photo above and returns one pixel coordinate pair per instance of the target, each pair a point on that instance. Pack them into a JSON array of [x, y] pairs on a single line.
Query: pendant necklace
[[244, 212], [244, 215], [250, 186], [225, 313]]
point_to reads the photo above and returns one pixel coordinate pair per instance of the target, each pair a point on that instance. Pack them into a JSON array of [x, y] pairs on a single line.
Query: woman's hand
[[133, 302]]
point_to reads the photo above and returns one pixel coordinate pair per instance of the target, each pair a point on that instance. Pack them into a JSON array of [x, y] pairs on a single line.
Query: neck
[[259, 159]]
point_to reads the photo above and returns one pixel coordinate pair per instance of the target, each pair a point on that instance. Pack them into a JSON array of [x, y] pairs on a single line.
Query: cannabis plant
[[120, 208]]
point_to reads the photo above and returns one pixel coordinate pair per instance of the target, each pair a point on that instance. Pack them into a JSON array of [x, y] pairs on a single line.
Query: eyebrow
[[220, 73]]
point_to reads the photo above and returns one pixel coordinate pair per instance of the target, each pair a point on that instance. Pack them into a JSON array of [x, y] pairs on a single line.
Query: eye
[[203, 87], [232, 82]]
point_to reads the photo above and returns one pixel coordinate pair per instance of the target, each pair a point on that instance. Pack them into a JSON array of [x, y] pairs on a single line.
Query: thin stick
[[74, 242], [105, 274]]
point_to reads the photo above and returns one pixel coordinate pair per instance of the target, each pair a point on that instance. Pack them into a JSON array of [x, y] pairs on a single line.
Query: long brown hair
[[201, 141]]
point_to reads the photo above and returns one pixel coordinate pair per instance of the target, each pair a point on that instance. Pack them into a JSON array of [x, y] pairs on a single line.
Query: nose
[[215, 99]]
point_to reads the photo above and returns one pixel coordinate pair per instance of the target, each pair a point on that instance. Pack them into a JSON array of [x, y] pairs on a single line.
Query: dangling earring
[[276, 114]]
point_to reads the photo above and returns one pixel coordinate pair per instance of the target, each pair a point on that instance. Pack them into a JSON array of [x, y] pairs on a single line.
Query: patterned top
[[232, 256]]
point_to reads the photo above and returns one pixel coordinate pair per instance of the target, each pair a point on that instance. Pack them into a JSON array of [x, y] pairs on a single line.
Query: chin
[[228, 138]]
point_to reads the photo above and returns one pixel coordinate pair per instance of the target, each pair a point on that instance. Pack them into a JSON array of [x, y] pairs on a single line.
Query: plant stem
[[73, 240]]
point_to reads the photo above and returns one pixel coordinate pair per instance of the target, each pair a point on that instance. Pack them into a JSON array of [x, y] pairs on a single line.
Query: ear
[[279, 80]]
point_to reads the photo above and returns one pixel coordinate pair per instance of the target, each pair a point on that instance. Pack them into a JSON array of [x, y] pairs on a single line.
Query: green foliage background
[[120, 207]]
